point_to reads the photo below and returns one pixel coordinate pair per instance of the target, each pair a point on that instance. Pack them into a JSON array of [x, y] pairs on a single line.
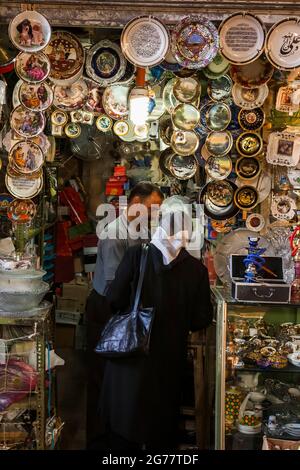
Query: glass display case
[[257, 402]]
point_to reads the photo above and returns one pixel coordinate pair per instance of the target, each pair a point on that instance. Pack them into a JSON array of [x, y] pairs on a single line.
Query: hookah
[[254, 261], [295, 247]]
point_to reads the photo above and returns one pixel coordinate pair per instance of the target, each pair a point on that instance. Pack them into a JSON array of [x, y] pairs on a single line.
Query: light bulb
[[139, 105]]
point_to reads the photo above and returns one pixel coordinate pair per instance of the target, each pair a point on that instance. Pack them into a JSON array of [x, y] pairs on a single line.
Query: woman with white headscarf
[[141, 395]]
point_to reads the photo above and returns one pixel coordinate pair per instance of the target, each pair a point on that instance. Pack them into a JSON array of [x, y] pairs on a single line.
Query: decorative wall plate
[[59, 118], [219, 143], [129, 74], [105, 62], [282, 44], [141, 131], [186, 90], [217, 68], [262, 183], [27, 123], [284, 100], [72, 130], [145, 41], [37, 97], [253, 75], [115, 101], [218, 117], [218, 168], [121, 128], [246, 198], [70, 97], [242, 38], [5, 200], [185, 116], [21, 211], [66, 55], [164, 160], [130, 136], [283, 207], [94, 99], [249, 144], [195, 42], [26, 156], [221, 192], [184, 143], [15, 95], [283, 149], [155, 75], [247, 168], [169, 99], [29, 31], [249, 98], [220, 88], [24, 187], [32, 67], [104, 123], [251, 119], [170, 63], [255, 222], [183, 168]]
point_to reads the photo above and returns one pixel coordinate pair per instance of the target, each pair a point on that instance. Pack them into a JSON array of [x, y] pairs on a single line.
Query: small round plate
[[141, 131], [218, 117], [24, 187], [251, 119], [59, 118], [26, 156], [29, 31], [105, 62], [246, 198], [220, 191], [217, 68], [220, 88], [121, 128], [282, 44], [169, 99], [242, 38], [21, 211], [218, 168], [186, 117], [94, 99], [195, 42], [249, 98], [247, 168], [36, 97], [184, 143], [66, 56], [262, 183], [104, 123], [186, 90], [71, 97], [27, 123], [130, 136], [255, 222], [253, 75], [72, 130], [115, 101], [145, 41], [32, 67], [219, 143], [249, 144], [183, 168]]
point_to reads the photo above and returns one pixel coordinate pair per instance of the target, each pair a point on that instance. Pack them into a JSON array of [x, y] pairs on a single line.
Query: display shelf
[[288, 369]]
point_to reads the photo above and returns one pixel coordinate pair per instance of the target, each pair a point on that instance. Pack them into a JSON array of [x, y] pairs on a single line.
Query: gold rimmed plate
[[220, 88], [184, 143], [218, 168], [246, 198], [249, 144], [251, 119], [27, 123], [36, 97], [187, 90], [219, 143], [26, 156], [218, 116], [186, 117], [183, 168], [248, 168]]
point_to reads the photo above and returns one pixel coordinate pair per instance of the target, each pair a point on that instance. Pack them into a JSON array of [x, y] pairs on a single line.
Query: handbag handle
[[141, 276]]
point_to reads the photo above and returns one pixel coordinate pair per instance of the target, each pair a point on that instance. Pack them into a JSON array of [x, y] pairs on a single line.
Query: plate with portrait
[[27, 157], [71, 97], [29, 31], [37, 97], [105, 62], [32, 67], [27, 123]]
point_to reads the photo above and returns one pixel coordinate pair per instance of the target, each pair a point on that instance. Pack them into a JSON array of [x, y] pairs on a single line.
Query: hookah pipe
[[254, 261]]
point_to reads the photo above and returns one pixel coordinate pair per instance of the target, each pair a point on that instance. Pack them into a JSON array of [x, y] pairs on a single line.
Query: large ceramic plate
[[29, 31], [32, 67], [249, 98], [145, 41], [186, 117], [115, 101], [235, 242], [282, 44], [253, 75], [66, 55], [36, 97], [26, 156], [105, 62], [242, 38], [71, 97], [195, 42], [24, 187], [94, 99], [183, 168], [27, 123]]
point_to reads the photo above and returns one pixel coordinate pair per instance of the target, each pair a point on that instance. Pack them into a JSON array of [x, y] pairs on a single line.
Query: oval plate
[[32, 67], [29, 31], [186, 117], [27, 123], [66, 56], [36, 97], [27, 157], [282, 44], [71, 97], [105, 62]]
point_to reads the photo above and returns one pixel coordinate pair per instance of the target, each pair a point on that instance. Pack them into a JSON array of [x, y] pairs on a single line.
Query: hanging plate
[[104, 123], [255, 222], [249, 144], [170, 63], [72, 130], [105, 62], [218, 117], [251, 120], [242, 38], [187, 90], [115, 101], [121, 128], [29, 31], [71, 97], [26, 156], [145, 41], [164, 160], [249, 98], [219, 143], [27, 123], [21, 211], [221, 192], [195, 42], [36, 97], [169, 99], [253, 75], [186, 117], [220, 88], [94, 99], [246, 198], [282, 44], [183, 168], [218, 168], [24, 187], [247, 168], [66, 55], [217, 68], [32, 67], [184, 143]]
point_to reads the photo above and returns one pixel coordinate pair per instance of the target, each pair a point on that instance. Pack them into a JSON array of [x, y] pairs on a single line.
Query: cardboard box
[[78, 265], [70, 318], [65, 336], [76, 291], [69, 305]]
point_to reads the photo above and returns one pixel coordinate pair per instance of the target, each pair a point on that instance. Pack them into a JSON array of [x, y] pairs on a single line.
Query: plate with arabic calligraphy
[[24, 187], [282, 44]]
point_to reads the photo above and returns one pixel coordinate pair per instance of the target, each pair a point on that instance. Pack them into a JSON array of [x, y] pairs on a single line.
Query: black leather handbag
[[128, 334]]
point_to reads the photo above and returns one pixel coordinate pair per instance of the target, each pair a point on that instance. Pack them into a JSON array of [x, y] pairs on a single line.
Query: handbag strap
[[143, 263]]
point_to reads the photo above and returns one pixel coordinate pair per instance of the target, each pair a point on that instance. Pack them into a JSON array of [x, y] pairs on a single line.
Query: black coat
[[141, 396]]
